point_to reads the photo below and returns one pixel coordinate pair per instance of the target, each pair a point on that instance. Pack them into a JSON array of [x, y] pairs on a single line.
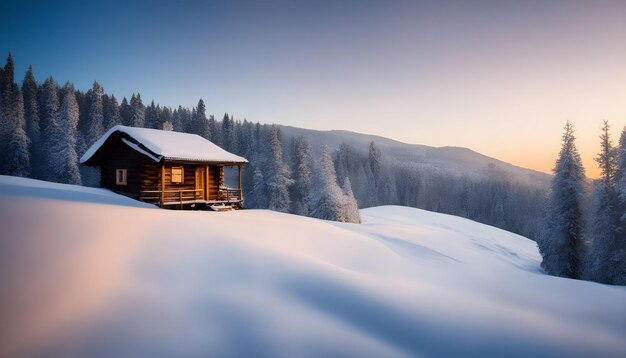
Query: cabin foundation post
[[162, 184]]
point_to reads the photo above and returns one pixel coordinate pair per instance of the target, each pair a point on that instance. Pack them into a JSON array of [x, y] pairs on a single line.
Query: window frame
[[182, 175], [121, 176]]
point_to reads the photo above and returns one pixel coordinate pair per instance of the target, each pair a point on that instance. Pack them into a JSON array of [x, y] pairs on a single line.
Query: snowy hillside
[[84, 272], [455, 160]]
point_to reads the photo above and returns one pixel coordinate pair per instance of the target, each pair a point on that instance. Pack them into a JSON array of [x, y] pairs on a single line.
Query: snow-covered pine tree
[[246, 138], [343, 161], [302, 161], [17, 159], [137, 111], [95, 128], [617, 270], [187, 116], [126, 113], [227, 132], [278, 177], [561, 242], [214, 130], [350, 208], [151, 116], [177, 119], [247, 181], [259, 191], [48, 109], [375, 164], [164, 118], [620, 175], [238, 147], [31, 117], [2, 119], [6, 108], [200, 123], [111, 113], [327, 199], [15, 143], [605, 213], [64, 168], [375, 160]]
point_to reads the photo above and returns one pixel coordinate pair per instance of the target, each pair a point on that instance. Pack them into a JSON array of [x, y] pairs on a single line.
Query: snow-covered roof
[[167, 144]]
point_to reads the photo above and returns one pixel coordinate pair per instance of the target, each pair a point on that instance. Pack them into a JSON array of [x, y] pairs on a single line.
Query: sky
[[499, 77]]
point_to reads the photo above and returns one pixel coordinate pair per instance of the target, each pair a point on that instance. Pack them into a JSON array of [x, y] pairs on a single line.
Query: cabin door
[[200, 178]]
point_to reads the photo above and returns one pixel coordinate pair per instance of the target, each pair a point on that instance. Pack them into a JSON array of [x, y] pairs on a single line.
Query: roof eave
[[195, 160]]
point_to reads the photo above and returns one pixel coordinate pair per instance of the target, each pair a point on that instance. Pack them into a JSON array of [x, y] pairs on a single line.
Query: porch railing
[[229, 194], [184, 196]]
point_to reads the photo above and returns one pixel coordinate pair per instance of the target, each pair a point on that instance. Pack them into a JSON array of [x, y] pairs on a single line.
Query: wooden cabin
[[171, 169]]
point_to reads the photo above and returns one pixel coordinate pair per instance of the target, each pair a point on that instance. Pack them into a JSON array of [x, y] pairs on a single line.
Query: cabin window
[[177, 175], [121, 176]]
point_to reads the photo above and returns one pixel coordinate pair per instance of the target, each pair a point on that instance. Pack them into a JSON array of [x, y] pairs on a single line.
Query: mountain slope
[[84, 272], [455, 160]]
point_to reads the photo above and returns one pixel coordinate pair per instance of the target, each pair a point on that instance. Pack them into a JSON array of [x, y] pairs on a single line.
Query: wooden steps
[[221, 207]]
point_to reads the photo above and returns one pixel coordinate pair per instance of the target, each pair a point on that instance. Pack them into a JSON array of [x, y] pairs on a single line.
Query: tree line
[[48, 127], [584, 233], [45, 129]]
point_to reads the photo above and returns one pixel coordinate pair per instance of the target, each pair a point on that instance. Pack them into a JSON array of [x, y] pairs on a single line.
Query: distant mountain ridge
[[458, 161]]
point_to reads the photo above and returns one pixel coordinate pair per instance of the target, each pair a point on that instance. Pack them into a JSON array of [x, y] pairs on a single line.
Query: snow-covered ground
[[84, 272]]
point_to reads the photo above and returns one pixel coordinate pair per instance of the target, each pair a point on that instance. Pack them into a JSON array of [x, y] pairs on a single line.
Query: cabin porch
[[194, 186]]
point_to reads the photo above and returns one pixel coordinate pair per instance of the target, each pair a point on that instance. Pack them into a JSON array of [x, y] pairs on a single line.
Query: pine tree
[[200, 123], [111, 113], [2, 120], [302, 159], [17, 155], [49, 108], [7, 99], [237, 147], [605, 213], [95, 128], [278, 176], [151, 116], [214, 130], [259, 190], [177, 121], [375, 164], [327, 200], [15, 143], [227, 129], [618, 271], [246, 138], [64, 160], [561, 243], [137, 111], [126, 112], [620, 177], [375, 160], [350, 209], [164, 118], [31, 117]]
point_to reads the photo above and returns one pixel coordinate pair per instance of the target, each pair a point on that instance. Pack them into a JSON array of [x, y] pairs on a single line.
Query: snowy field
[[84, 272]]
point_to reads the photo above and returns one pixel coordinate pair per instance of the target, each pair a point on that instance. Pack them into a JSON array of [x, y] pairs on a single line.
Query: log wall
[[144, 176]]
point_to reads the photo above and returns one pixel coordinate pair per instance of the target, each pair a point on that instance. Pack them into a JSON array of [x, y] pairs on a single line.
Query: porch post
[[162, 183], [240, 194], [206, 183]]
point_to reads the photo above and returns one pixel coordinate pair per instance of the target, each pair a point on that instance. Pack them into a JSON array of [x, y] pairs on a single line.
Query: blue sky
[[490, 75]]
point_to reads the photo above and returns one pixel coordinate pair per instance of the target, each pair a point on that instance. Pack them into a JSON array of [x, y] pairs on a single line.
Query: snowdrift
[[85, 272]]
